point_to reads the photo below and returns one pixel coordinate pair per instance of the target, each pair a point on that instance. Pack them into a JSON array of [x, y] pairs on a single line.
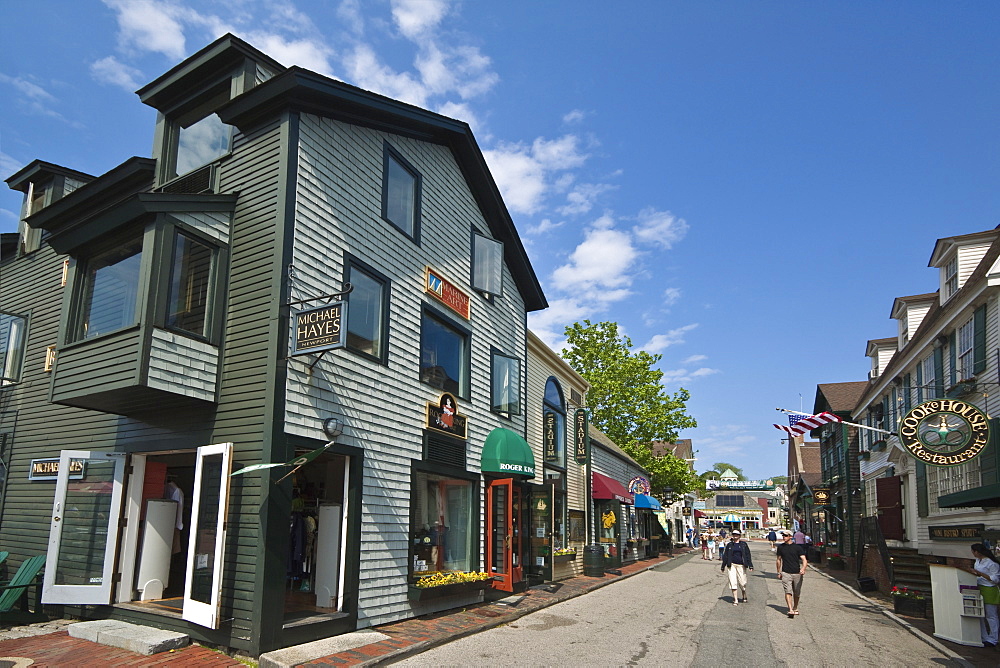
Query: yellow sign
[[48, 469]]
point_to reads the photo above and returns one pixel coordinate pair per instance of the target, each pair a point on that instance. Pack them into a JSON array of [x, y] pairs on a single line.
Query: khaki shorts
[[792, 582]]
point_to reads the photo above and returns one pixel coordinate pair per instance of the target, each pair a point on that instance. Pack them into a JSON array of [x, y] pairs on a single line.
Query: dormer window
[[201, 143], [951, 277], [193, 136], [904, 330]]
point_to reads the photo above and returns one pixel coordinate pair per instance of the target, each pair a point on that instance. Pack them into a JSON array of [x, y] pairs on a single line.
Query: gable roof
[[839, 397]]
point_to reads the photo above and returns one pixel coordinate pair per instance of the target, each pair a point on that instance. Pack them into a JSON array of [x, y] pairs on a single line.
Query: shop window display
[[441, 528]]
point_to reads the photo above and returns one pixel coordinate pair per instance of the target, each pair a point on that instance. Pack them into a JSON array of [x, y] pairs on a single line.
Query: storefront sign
[[48, 469], [318, 329], [550, 433], [445, 417], [581, 436], [686, 512], [446, 292], [945, 432], [740, 484], [638, 485], [963, 532], [821, 496]]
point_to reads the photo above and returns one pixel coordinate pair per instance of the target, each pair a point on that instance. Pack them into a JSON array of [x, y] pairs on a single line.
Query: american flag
[[800, 424]]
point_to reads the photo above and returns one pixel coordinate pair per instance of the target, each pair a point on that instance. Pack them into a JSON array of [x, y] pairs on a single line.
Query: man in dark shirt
[[791, 566]]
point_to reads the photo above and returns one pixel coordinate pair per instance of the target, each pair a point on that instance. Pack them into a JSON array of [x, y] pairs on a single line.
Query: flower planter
[[443, 591], [836, 564], [563, 558], [909, 606]]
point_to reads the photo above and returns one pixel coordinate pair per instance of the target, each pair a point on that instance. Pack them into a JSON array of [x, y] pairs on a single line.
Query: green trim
[[979, 340], [923, 502], [986, 495]]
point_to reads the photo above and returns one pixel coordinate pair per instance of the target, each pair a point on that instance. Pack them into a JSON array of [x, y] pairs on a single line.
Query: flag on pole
[[800, 424]]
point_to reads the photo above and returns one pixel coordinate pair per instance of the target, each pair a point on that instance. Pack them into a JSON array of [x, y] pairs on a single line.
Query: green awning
[[508, 454], [985, 496]]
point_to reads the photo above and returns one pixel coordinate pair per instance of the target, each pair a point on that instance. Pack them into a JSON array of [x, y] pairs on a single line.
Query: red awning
[[698, 513], [609, 488]]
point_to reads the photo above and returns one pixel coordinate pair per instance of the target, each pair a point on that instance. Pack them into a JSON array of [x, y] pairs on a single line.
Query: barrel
[[593, 561]]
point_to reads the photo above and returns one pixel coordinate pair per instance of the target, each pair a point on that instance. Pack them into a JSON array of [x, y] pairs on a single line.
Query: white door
[[83, 534], [209, 506]]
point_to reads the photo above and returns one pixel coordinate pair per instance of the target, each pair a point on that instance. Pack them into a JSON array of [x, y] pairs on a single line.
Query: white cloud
[[149, 25], [111, 71], [670, 296], [660, 227], [312, 54], [661, 342], [704, 371], [34, 99], [550, 325], [573, 117], [415, 18], [365, 70], [582, 198], [600, 263], [525, 174], [694, 358], [544, 226]]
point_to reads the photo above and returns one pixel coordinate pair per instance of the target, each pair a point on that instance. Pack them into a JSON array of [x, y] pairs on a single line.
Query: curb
[[947, 651], [425, 645]]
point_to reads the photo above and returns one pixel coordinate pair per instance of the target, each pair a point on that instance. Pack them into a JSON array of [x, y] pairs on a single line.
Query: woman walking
[[704, 546], [736, 557], [987, 570]]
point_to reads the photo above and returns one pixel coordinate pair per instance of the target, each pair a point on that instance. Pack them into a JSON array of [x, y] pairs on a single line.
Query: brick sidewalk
[[418, 634], [59, 649]]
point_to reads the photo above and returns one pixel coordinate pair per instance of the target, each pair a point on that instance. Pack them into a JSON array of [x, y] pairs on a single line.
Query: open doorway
[[317, 531]]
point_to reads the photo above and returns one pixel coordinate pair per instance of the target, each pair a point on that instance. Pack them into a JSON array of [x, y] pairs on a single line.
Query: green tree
[[628, 402], [720, 468]]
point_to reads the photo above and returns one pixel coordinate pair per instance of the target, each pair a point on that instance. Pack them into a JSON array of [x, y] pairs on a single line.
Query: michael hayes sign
[[319, 328]]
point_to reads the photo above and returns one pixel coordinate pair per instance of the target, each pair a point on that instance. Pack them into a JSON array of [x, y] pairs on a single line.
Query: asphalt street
[[682, 614]]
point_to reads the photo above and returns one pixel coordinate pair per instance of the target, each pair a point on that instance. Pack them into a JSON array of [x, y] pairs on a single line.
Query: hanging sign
[[550, 432], [944, 432], [821, 496], [319, 328], [638, 485], [445, 417], [446, 292], [581, 436]]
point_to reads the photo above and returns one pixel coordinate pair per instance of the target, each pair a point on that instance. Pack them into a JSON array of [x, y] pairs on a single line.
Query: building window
[[441, 535], [190, 286], [942, 481], [400, 193], [487, 265], [443, 355], [904, 329], [951, 278], [202, 142], [728, 500], [966, 343], [366, 311], [110, 291], [557, 481], [505, 384], [554, 424], [928, 387], [12, 330]]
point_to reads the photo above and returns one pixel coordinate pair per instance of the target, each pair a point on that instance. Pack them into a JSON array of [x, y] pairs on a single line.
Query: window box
[[961, 388], [563, 558], [457, 589], [878, 446], [864, 455]]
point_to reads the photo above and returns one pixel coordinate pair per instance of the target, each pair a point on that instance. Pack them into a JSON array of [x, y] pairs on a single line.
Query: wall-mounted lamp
[[333, 428]]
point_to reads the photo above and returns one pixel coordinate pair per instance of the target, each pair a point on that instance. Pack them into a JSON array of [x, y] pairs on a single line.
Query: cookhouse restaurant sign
[[944, 432]]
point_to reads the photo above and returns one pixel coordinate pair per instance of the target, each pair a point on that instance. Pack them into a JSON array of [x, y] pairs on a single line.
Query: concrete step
[[133, 637]]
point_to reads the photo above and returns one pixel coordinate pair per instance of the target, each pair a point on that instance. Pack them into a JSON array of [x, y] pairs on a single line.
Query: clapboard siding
[[338, 210], [183, 365]]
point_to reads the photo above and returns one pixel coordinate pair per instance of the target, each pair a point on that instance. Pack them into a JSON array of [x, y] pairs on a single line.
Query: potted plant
[[910, 602], [836, 561], [563, 555], [448, 583]]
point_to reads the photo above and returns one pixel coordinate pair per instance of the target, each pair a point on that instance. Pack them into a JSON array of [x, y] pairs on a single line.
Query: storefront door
[[84, 537], [541, 533], [503, 535]]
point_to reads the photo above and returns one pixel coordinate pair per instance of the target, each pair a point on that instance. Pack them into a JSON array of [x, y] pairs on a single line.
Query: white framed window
[[951, 277], [904, 329], [948, 480], [928, 388], [966, 342]]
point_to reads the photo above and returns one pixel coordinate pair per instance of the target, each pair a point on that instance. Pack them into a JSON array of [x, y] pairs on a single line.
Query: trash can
[[867, 584], [593, 561]]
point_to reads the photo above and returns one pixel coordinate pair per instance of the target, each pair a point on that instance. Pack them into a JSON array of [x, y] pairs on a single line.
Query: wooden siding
[[183, 365], [211, 224], [115, 355], [338, 210]]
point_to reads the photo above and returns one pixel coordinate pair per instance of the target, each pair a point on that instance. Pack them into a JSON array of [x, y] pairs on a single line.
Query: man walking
[[791, 566], [736, 557]]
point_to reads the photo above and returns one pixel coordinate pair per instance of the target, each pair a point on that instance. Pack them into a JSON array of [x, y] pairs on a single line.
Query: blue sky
[[743, 187]]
